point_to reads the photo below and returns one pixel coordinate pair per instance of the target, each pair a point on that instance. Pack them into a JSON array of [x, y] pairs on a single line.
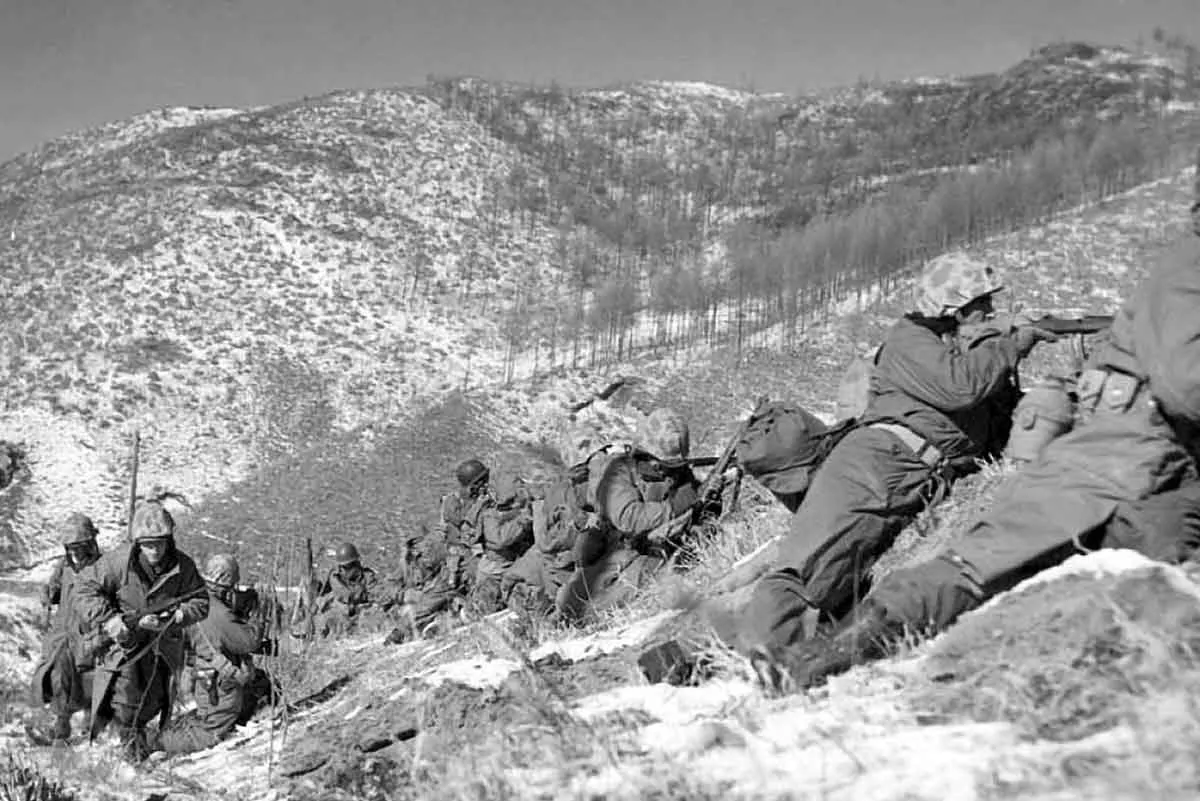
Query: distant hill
[[241, 284]]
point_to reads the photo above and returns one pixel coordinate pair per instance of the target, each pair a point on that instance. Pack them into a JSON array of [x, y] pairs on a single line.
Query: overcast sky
[[69, 64]]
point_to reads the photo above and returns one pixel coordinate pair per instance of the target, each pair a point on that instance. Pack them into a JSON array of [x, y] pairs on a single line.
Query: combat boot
[[62, 728], [56, 733], [866, 634]]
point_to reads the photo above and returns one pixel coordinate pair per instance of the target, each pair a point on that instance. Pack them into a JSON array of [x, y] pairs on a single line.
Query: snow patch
[[603, 642], [478, 673], [667, 703]]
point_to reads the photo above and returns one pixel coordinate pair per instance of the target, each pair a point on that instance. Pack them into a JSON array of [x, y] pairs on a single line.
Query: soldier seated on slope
[[560, 519], [430, 590], [347, 594], [229, 687], [63, 676], [643, 499]]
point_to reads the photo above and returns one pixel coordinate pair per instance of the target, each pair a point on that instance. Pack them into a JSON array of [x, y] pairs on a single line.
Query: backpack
[[855, 389], [782, 447]]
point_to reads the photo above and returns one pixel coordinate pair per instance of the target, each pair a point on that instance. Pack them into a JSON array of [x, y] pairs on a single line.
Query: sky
[[70, 64]]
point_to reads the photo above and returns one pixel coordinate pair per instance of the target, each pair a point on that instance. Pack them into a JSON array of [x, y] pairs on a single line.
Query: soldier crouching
[[229, 687]]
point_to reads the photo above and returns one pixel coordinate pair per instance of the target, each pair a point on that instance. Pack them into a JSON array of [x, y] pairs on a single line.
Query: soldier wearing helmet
[[559, 519], [645, 498], [940, 397], [63, 675], [135, 663], [462, 522], [348, 590], [229, 687], [1124, 477], [487, 526]]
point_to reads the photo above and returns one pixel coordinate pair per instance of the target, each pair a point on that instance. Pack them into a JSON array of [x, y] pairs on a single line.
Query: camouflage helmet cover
[[953, 280], [77, 530], [152, 521], [471, 472], [346, 554], [221, 569], [664, 434]]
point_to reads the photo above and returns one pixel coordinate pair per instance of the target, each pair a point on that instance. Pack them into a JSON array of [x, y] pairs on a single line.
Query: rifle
[[710, 489], [133, 482], [1088, 324], [161, 609], [603, 394]]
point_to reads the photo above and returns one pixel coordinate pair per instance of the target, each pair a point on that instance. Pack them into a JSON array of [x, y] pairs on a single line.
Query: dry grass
[[1078, 658]]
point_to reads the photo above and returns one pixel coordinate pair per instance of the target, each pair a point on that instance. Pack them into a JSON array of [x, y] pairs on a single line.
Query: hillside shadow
[[375, 487]]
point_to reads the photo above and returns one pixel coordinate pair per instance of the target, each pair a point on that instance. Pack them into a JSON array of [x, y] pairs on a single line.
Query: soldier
[[643, 501], [1131, 459], [429, 591], [941, 396], [462, 523], [507, 522], [347, 591], [229, 686], [141, 651], [63, 677], [488, 525], [559, 520]]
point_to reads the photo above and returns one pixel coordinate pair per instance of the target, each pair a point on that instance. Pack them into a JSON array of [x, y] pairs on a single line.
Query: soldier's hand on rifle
[[1027, 336]]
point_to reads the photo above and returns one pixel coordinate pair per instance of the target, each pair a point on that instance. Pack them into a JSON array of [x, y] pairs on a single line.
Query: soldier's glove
[[1026, 336], [151, 623], [115, 629]]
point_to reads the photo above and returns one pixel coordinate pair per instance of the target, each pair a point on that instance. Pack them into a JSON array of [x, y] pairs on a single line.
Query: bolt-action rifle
[[1088, 324], [709, 491]]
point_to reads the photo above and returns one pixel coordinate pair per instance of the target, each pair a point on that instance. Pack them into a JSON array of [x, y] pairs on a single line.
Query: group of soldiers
[[943, 388], [569, 550], [126, 622]]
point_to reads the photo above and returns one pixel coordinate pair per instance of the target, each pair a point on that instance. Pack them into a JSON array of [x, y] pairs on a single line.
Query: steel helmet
[[346, 554], [664, 434], [152, 521], [221, 570], [471, 472], [77, 530], [953, 280]]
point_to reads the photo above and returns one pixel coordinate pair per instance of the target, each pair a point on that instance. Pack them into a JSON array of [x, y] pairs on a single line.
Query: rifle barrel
[[1090, 324]]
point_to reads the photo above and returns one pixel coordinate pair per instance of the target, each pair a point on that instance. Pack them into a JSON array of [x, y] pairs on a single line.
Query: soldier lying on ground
[[941, 396], [228, 686], [140, 652], [63, 676], [1124, 477], [643, 499]]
